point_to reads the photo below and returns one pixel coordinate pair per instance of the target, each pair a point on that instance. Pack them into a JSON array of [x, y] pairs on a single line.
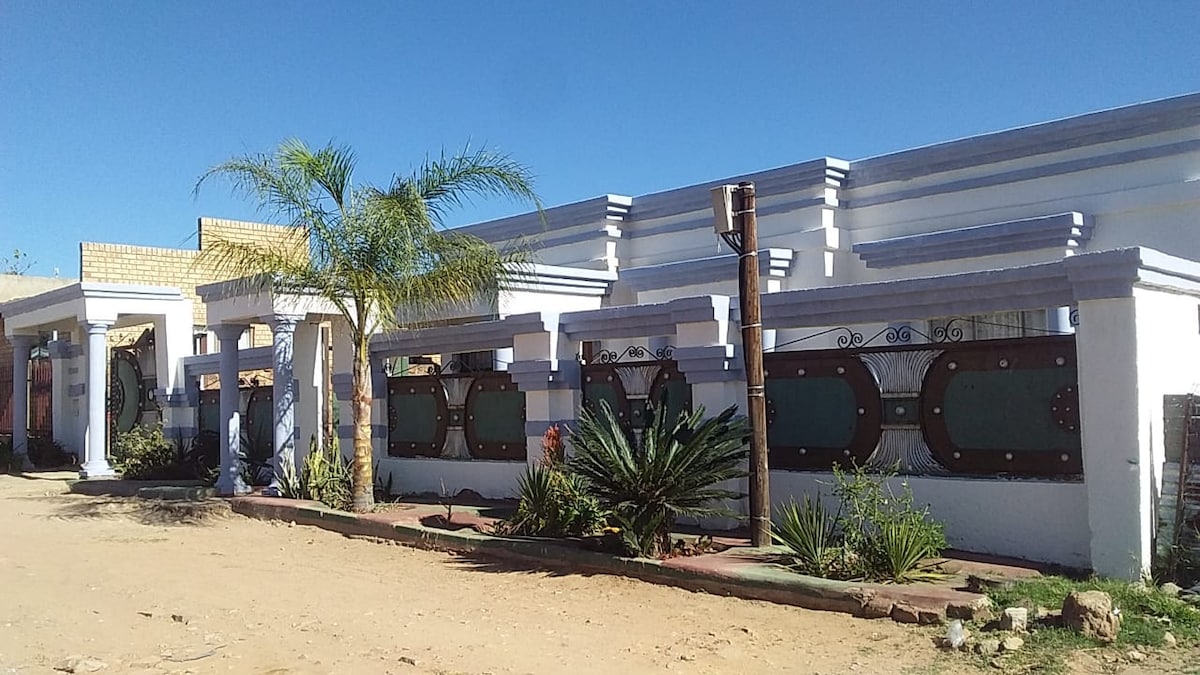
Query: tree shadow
[[150, 512], [494, 564]]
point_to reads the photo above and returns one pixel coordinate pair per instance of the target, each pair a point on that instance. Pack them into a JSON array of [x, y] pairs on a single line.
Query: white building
[[999, 317]]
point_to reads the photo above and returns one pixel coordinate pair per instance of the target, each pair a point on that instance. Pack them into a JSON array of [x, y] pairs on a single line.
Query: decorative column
[[229, 482], [283, 330], [95, 464], [1116, 466], [22, 344]]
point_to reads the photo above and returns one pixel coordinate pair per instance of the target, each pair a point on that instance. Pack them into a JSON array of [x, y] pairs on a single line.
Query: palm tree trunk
[[363, 494]]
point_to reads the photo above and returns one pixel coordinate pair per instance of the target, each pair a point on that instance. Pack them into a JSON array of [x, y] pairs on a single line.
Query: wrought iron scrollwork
[[951, 332], [634, 352], [455, 367]]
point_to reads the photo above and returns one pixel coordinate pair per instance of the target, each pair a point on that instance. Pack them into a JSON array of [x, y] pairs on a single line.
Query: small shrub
[[5, 454], [143, 453], [325, 477], [672, 474], [554, 502], [878, 534]]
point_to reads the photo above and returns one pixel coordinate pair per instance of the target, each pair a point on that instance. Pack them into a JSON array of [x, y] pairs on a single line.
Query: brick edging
[[907, 604]]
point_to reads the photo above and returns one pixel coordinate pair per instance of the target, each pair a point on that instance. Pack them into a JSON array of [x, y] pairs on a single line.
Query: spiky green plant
[[674, 473], [380, 255], [325, 477], [553, 503], [899, 546], [808, 530]]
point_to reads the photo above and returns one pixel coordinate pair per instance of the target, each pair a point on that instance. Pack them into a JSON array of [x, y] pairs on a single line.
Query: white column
[[230, 482], [308, 365], [1058, 320], [172, 342], [1116, 468], [95, 462], [22, 344], [283, 330]]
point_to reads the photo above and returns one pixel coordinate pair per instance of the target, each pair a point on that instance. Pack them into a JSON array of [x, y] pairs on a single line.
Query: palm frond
[[450, 181], [380, 256], [329, 167]]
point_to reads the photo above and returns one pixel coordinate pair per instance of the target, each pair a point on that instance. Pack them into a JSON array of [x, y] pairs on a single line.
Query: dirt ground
[[125, 585]]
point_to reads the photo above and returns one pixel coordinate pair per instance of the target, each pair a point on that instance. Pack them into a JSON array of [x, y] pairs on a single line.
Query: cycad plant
[[673, 473]]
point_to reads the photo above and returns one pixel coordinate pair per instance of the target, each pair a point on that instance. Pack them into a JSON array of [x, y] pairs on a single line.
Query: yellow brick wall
[[152, 266], [182, 268]]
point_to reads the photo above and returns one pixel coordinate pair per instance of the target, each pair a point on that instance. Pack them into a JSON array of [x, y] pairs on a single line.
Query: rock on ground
[[1091, 613]]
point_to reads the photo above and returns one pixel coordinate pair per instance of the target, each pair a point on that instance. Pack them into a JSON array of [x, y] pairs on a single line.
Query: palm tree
[[381, 256]]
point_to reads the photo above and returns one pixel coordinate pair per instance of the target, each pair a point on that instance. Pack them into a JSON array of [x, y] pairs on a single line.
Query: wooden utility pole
[[752, 350], [735, 220]]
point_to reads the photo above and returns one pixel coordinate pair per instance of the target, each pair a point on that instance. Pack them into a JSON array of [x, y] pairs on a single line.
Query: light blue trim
[[179, 398], [768, 183], [709, 270], [595, 210], [1088, 276], [64, 349], [256, 358], [88, 290], [1062, 231], [536, 428], [1106, 126], [463, 337], [651, 320], [346, 431], [1031, 173], [544, 375]]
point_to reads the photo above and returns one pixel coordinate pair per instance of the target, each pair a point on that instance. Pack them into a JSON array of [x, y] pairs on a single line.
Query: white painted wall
[[1036, 520], [490, 478]]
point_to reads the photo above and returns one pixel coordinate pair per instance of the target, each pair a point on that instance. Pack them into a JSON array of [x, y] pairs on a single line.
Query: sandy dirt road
[[124, 583]]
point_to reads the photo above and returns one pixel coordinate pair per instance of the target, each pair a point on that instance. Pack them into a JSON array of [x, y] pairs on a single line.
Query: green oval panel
[[1007, 409], [415, 418], [499, 416], [676, 391], [210, 417], [129, 397], [595, 392], [819, 412], [260, 427]]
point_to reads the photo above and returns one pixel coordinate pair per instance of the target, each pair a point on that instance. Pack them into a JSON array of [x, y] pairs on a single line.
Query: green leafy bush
[[325, 476], [143, 453], [672, 474], [554, 501], [877, 534]]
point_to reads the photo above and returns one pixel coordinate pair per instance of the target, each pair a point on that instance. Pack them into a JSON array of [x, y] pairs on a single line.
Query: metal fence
[[40, 402]]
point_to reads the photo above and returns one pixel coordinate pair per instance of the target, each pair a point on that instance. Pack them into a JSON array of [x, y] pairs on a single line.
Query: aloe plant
[[808, 531]]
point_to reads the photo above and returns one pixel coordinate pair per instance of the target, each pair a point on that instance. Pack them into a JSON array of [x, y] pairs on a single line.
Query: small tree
[[18, 263], [380, 255]]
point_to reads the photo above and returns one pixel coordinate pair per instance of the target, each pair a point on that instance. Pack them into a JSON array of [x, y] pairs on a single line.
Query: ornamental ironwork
[[125, 390], [633, 353], [987, 407], [456, 415], [953, 331]]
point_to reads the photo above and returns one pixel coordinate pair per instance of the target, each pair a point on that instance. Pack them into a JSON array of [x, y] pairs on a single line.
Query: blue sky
[[110, 110]]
